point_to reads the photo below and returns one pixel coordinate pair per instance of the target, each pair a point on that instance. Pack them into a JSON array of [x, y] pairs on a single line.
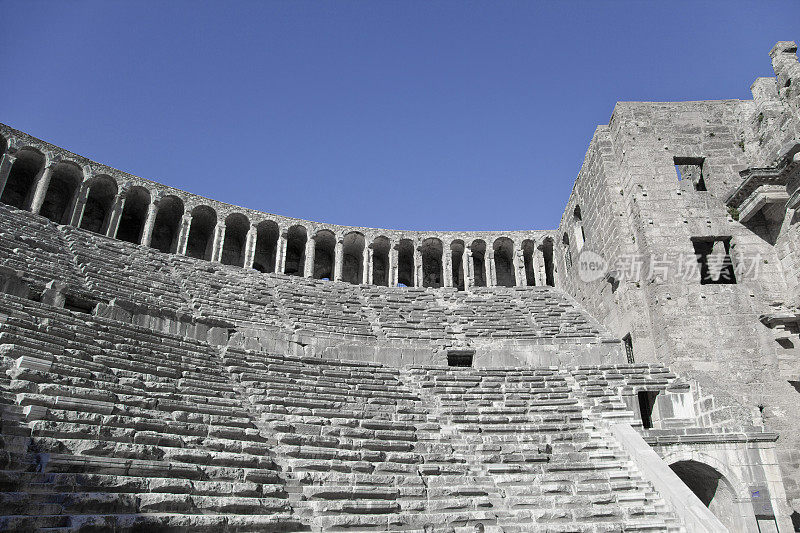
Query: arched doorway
[[711, 488], [22, 178], [405, 263], [324, 255], [167, 224], [457, 263], [267, 234], [295, 250], [478, 248], [353, 258], [549, 267], [504, 262], [201, 233], [380, 261], [99, 203], [432, 271], [134, 214], [60, 197], [233, 245]]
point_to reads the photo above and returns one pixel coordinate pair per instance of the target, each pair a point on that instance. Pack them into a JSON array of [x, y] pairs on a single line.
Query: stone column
[[42, 184], [370, 253], [447, 267], [469, 268], [367, 257], [488, 264], [519, 267], [339, 260], [311, 249], [280, 253], [81, 195], [183, 233], [393, 256], [250, 246], [152, 211], [219, 241], [116, 214], [5, 169], [418, 275], [538, 261]]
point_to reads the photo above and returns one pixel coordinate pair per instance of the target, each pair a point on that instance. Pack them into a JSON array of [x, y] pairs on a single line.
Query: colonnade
[[133, 213]]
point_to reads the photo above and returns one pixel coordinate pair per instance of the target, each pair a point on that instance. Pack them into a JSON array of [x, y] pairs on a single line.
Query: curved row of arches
[[132, 213]]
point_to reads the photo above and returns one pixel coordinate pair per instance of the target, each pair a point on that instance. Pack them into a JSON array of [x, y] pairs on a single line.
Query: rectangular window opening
[[713, 255], [460, 358], [691, 168], [78, 305], [647, 401]]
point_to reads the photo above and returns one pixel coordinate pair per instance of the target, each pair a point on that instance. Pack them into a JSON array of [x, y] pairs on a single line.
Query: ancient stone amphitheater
[[173, 363]]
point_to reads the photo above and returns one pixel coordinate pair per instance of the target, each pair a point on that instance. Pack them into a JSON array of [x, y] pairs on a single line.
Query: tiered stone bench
[[33, 246], [228, 293], [324, 306], [128, 429], [359, 446], [125, 271]]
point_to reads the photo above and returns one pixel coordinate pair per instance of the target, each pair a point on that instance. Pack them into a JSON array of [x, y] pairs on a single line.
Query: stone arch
[[503, 249], [716, 486], [580, 235], [324, 254], [22, 178], [166, 227], [353, 257], [200, 242], [528, 249], [457, 263], [59, 201], [296, 239], [267, 233], [102, 190], [134, 214], [431, 251], [478, 248], [549, 265], [237, 226], [405, 262], [380, 261]]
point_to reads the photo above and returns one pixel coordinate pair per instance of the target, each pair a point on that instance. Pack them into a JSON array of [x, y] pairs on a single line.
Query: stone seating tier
[[145, 281], [111, 425]]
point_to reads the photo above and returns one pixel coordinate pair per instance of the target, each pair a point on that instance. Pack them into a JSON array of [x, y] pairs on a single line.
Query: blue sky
[[408, 115]]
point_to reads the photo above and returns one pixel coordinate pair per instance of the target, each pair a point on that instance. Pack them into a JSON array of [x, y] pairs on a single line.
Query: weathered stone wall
[[711, 332]]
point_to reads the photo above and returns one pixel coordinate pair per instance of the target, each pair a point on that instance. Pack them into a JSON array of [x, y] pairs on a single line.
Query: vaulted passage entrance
[[432, 273], [201, 233], [711, 488], [167, 224], [60, 197], [131, 223], [21, 179], [267, 234], [99, 202], [324, 255]]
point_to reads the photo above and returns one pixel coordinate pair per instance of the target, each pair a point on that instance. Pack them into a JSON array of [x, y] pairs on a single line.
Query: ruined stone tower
[[173, 363]]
